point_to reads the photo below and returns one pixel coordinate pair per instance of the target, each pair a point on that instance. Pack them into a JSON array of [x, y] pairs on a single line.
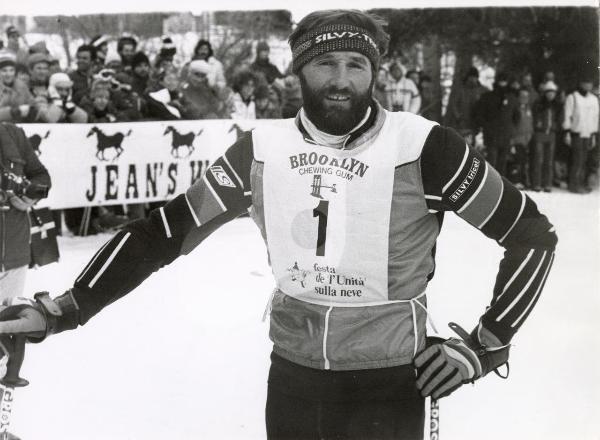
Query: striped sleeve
[[146, 245], [458, 179]]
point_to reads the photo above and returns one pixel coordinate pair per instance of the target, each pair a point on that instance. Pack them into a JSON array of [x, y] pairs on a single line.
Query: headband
[[331, 38]]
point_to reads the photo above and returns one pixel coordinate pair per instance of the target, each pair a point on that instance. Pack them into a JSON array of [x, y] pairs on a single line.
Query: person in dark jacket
[[547, 115], [17, 158], [494, 115], [82, 76], [262, 66]]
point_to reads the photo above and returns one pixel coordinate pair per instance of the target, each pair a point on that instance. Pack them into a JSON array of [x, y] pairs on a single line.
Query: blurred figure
[[493, 114], [39, 74], [381, 88], [460, 113], [166, 103], [100, 45], [16, 44], [140, 73], [291, 96], [527, 84], [113, 62], [547, 115], [404, 95], [581, 115], [62, 108], [82, 76], [262, 66], [97, 104], [521, 134], [23, 74], [16, 102], [203, 51], [126, 46], [244, 84], [201, 99], [265, 107], [429, 100]]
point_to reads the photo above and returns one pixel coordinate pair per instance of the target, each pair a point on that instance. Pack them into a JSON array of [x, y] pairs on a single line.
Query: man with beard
[[349, 199]]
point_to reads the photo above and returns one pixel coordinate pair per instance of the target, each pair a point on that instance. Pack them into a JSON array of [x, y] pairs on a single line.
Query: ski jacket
[[350, 232]]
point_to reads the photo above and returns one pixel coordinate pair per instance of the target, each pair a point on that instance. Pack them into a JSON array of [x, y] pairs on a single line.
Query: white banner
[[128, 162]]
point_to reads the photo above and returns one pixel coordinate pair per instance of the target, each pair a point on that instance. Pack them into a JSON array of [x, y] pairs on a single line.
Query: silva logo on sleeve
[[467, 180], [221, 176]]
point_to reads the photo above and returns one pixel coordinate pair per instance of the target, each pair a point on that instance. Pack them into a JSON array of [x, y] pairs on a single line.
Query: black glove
[[446, 364], [38, 318]]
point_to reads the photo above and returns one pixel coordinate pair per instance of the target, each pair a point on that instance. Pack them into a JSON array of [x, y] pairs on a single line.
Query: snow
[[185, 356]]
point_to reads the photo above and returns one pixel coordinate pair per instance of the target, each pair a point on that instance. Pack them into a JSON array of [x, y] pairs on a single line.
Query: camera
[[13, 185]]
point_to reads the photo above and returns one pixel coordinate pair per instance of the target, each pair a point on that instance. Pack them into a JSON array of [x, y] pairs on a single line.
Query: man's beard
[[330, 118]]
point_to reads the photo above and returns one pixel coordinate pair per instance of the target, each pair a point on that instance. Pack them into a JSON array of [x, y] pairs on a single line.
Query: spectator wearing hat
[[204, 51], [140, 73], [527, 83], [166, 55], [61, 106], [16, 102], [547, 115], [126, 47], [113, 62], [265, 107], [202, 101], [460, 113], [82, 76], [403, 92], [581, 112], [244, 85], [128, 104], [39, 64], [262, 66], [100, 44], [16, 44]]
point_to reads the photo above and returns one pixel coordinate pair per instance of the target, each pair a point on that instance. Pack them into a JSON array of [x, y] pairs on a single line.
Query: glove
[[22, 203], [34, 319], [446, 364]]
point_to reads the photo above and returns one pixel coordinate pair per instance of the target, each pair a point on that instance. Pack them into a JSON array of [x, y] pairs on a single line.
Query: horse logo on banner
[[179, 140], [106, 142]]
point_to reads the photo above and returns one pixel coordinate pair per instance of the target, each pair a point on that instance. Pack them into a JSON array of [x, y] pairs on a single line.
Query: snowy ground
[[186, 355]]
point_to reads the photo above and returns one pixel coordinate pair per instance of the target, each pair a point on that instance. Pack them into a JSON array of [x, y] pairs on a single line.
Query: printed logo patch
[[221, 176]]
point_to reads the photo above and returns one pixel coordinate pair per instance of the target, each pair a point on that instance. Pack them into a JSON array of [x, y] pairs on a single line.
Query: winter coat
[[461, 107], [522, 129], [11, 97], [494, 111], [17, 156]]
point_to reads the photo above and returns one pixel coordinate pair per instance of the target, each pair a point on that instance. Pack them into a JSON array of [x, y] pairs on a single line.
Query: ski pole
[[434, 419], [14, 348]]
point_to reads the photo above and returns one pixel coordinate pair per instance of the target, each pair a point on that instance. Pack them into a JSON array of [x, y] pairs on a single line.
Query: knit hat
[[11, 30], [36, 58], [549, 86], [168, 49], [331, 38], [39, 47], [7, 59], [139, 58], [112, 57]]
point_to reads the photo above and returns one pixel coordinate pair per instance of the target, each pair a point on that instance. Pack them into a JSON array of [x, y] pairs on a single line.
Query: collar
[[358, 136]]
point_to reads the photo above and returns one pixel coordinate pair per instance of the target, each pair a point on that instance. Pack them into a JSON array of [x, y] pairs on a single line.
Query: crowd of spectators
[[538, 137], [128, 86]]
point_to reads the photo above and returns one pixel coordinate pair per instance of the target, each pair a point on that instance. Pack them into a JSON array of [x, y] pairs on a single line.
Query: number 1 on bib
[[321, 211]]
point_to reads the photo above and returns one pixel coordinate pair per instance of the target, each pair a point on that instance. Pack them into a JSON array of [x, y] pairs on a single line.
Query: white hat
[[60, 78], [549, 86], [200, 66]]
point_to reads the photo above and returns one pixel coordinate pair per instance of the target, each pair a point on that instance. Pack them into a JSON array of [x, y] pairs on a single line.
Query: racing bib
[[327, 212]]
